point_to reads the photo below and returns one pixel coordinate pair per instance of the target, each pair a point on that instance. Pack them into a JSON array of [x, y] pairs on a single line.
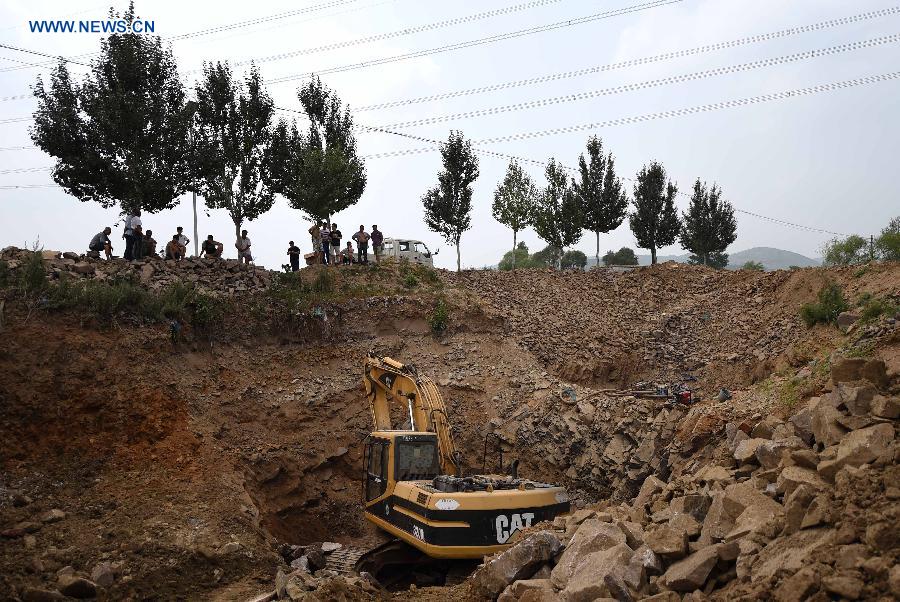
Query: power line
[[15, 120], [403, 32], [663, 114], [16, 97], [25, 170], [17, 49], [674, 79], [635, 62], [18, 186], [479, 41], [16, 148]]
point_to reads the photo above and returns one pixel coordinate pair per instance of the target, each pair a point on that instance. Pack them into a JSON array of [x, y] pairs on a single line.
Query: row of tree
[[855, 249], [128, 136], [595, 201]]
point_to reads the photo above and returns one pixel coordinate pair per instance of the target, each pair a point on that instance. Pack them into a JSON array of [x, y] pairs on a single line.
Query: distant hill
[[771, 258]]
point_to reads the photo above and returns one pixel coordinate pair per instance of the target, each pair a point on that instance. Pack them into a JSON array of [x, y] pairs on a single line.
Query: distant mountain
[[772, 259]]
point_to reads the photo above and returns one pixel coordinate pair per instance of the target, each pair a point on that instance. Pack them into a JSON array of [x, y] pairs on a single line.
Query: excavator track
[[343, 561]]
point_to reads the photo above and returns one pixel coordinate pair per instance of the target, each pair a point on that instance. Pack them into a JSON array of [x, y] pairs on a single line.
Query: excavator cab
[[413, 487]]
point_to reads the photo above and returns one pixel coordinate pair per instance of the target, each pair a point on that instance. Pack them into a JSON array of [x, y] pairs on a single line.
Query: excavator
[[413, 482]]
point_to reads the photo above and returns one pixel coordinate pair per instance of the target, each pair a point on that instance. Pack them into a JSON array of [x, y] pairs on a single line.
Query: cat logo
[[418, 532], [506, 526]]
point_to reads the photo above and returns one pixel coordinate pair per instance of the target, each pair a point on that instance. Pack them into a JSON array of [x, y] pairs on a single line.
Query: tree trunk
[[514, 251], [597, 256], [652, 255], [457, 256]]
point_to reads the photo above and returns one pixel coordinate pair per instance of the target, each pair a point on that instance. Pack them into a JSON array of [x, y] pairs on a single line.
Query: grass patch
[[831, 302], [875, 308], [440, 317]]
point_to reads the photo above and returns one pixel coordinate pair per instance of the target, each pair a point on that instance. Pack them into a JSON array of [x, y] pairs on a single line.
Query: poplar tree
[[513, 202], [604, 204], [557, 216], [654, 220], [318, 170], [233, 141], [708, 226], [448, 206], [120, 136]]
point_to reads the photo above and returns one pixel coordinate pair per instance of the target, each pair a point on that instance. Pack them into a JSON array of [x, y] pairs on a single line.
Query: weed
[[789, 392], [410, 281], [876, 308], [429, 275], [440, 317], [324, 282], [863, 299], [861, 272], [830, 303], [32, 276], [862, 349]]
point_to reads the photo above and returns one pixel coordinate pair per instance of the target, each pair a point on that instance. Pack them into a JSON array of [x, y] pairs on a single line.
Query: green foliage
[[521, 258], [793, 267], [624, 256], [319, 172], [448, 206], [5, 278], [872, 309], [573, 259], [32, 278], [887, 245], [548, 257], [557, 213], [848, 251], [831, 302], [754, 266], [514, 201], [654, 220], [709, 226], [324, 282], [604, 204], [121, 135], [232, 154], [440, 317], [410, 280]]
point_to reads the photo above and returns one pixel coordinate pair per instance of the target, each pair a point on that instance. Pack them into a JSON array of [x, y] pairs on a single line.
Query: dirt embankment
[[182, 466]]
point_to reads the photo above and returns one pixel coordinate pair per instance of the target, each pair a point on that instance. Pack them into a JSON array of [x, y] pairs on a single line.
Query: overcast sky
[[825, 160]]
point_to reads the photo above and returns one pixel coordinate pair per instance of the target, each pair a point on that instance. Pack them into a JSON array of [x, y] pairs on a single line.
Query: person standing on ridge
[[315, 232], [377, 242], [362, 245], [326, 243], [294, 255], [335, 244], [183, 241], [243, 247]]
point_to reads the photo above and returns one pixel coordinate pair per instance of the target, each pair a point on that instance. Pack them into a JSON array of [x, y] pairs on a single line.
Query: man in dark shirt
[[212, 248], [101, 242], [150, 245], [362, 245], [377, 242], [294, 255], [335, 244]]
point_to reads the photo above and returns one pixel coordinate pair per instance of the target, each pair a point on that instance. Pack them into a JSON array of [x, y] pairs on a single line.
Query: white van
[[403, 248]]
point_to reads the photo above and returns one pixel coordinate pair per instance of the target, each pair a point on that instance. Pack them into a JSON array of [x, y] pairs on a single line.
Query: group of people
[[326, 241], [140, 244]]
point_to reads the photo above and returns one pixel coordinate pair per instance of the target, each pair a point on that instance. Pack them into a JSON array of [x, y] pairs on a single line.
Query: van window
[[420, 248], [404, 245], [389, 246]]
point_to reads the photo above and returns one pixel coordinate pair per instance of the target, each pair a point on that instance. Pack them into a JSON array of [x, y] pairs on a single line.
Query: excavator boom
[[388, 382]]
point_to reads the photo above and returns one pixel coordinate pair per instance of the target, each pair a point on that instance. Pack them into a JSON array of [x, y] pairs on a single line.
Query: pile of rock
[[786, 509], [215, 276], [308, 579]]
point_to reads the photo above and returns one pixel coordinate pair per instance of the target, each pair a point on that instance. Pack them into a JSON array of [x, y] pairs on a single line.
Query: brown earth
[[160, 455]]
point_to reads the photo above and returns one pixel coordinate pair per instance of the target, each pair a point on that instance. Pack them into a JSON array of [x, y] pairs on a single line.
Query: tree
[[708, 226], [520, 259], [513, 202], [557, 214], [753, 266], [847, 251], [121, 136], [573, 259], [623, 256], [888, 242], [548, 257], [654, 220], [448, 206], [318, 172], [604, 204], [233, 144]]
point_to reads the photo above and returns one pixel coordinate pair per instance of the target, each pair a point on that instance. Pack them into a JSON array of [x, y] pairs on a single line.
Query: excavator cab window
[[417, 460], [376, 468]]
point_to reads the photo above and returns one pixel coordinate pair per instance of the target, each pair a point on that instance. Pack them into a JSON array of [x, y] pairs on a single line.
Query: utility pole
[[871, 247], [196, 238]]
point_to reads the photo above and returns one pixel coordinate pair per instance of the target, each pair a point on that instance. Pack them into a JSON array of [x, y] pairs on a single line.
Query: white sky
[[824, 160]]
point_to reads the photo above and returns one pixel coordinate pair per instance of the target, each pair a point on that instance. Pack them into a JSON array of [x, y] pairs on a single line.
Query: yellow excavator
[[413, 484]]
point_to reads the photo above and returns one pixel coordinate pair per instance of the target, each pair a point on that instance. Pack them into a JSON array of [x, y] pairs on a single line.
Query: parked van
[[404, 248]]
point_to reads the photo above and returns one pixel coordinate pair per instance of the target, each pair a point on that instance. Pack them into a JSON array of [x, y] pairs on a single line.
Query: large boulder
[[792, 477], [650, 487], [518, 562], [857, 448], [593, 535], [667, 541], [746, 450], [529, 590], [857, 399], [77, 587], [802, 423], [846, 369], [695, 504], [691, 573], [825, 419], [771, 453], [597, 574]]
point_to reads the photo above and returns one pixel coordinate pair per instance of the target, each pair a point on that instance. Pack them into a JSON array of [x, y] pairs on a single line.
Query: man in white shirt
[[243, 248], [137, 232], [131, 220], [183, 240]]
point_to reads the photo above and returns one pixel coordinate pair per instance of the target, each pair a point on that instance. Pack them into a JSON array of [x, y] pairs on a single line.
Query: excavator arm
[[388, 381]]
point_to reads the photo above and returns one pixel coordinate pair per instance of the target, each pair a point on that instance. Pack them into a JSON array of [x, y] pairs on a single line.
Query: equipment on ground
[[414, 251], [413, 484]]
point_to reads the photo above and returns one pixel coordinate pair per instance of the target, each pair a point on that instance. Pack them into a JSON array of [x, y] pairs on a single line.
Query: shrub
[[875, 308], [32, 279], [847, 251], [624, 256], [324, 282], [440, 317], [410, 281], [753, 266], [830, 303], [573, 259]]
